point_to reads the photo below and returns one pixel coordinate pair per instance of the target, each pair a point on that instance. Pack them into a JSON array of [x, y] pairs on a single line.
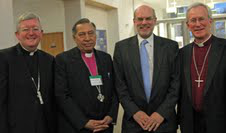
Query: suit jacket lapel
[[100, 63], [187, 68], [158, 55], [101, 68], [78, 63], [134, 57], [213, 61]]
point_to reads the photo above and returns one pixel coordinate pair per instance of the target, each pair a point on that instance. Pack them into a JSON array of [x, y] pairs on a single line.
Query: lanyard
[[100, 96]]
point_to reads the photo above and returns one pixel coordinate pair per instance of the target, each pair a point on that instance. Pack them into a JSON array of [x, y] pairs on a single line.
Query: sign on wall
[[101, 43]]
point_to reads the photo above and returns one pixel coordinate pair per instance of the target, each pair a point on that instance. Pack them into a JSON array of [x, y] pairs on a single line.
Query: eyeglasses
[[195, 20], [33, 29], [139, 19]]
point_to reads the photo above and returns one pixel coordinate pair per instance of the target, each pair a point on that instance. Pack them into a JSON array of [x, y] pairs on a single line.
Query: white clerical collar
[[150, 39], [88, 55], [30, 53], [202, 43]]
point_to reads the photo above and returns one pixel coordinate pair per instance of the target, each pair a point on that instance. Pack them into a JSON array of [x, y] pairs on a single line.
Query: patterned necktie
[[145, 69]]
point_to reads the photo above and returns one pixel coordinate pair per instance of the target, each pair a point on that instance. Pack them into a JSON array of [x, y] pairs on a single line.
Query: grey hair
[[196, 4], [27, 16], [153, 10]]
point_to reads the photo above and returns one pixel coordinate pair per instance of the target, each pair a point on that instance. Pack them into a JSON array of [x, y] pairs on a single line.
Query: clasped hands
[[150, 123], [98, 125]]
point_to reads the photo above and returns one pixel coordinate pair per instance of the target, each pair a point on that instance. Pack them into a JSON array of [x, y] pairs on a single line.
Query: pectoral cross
[[100, 97], [199, 81]]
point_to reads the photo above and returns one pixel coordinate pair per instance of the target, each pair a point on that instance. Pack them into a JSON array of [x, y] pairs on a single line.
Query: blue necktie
[[145, 69]]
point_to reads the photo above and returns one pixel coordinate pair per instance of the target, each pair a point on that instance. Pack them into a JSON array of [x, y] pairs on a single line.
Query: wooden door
[[53, 43]]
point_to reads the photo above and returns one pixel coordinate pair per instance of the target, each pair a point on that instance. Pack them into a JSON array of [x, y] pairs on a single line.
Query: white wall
[[6, 24], [105, 19], [113, 26], [74, 10], [50, 11], [126, 19], [97, 15]]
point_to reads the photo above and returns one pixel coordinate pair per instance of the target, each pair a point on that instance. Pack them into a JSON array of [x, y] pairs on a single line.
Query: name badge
[[96, 80]]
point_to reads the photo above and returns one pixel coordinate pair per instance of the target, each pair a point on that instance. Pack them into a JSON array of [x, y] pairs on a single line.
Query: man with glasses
[[201, 107], [84, 85], [146, 78], [26, 82]]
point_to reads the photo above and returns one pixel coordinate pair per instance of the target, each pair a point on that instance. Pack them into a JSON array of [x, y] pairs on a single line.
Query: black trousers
[[199, 122], [41, 122]]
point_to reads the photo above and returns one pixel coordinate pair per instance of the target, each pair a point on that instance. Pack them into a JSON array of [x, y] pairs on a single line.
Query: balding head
[[144, 8], [144, 21]]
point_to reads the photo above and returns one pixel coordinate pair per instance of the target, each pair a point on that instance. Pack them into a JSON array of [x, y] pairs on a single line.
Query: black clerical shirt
[[31, 62]]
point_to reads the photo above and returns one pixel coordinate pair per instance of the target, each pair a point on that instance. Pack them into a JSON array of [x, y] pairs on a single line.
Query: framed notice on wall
[[101, 43]]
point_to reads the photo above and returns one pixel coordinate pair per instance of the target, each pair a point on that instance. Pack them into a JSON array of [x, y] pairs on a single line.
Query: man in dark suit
[[84, 83], [146, 80], [26, 82], [201, 107]]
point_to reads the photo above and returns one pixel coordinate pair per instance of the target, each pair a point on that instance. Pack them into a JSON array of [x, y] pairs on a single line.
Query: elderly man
[[84, 84], [201, 106]]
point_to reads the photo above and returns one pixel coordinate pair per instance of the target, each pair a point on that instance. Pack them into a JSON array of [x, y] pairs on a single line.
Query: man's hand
[[141, 118], [94, 124], [106, 121], [98, 125], [155, 121]]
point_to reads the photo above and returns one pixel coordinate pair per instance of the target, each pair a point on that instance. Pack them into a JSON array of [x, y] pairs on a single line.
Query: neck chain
[[37, 86], [196, 68]]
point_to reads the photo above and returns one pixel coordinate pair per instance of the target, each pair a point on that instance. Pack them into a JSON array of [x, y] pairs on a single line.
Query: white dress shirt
[[150, 49]]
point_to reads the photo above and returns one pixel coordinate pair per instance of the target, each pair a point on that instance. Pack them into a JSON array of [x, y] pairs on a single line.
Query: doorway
[[53, 43]]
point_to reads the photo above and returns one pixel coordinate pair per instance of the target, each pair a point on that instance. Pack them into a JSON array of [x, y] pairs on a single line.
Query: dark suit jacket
[[214, 91], [76, 98], [130, 86], [18, 95]]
